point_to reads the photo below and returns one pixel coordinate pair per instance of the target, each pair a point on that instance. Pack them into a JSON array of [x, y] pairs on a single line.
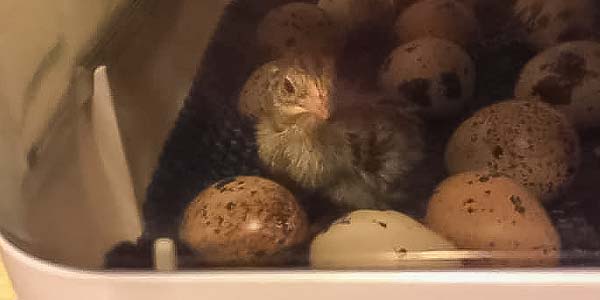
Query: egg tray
[[211, 141]]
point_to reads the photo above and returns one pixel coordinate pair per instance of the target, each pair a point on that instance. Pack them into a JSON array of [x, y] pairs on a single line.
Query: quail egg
[[530, 142], [487, 212], [568, 77], [368, 239], [550, 22], [243, 221], [298, 28], [435, 75], [445, 19]]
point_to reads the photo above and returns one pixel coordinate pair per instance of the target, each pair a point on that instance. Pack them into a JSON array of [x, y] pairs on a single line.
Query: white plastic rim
[[38, 280]]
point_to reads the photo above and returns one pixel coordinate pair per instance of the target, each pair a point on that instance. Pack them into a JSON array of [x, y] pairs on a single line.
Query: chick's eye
[[289, 86]]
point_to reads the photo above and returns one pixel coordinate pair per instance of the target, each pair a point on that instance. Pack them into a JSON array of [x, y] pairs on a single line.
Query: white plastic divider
[[78, 189], [107, 136]]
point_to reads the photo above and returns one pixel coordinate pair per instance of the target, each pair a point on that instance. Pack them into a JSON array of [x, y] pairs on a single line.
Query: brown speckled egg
[[243, 221], [304, 80], [529, 141], [351, 15], [445, 19], [298, 28], [380, 239], [434, 74], [491, 213], [567, 76], [550, 22]]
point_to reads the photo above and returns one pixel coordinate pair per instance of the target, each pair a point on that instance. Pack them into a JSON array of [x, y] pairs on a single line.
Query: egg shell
[[305, 80], [436, 75], [298, 28], [368, 239], [550, 22], [568, 77], [351, 15], [243, 221], [530, 142], [445, 19], [480, 211]]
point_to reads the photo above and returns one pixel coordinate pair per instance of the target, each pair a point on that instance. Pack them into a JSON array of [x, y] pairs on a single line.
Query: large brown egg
[[550, 22], [244, 221], [568, 77], [529, 141], [445, 19], [298, 28], [305, 81], [436, 75], [494, 214]]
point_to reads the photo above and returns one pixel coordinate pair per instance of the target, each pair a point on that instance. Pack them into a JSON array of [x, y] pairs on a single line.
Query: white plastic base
[[38, 280]]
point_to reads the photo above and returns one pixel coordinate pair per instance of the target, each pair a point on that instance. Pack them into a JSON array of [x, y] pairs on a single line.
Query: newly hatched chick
[[358, 155]]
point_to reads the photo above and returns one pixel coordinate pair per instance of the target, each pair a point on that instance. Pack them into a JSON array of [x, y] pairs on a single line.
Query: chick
[[357, 155], [298, 82]]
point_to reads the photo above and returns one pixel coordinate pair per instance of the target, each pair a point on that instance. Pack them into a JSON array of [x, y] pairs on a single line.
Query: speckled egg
[[351, 15], [568, 77], [243, 221], [550, 22], [445, 19], [487, 212], [368, 239], [531, 142], [298, 28], [435, 75], [304, 80]]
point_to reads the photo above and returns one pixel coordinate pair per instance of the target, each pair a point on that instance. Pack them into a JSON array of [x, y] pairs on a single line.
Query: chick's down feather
[[358, 158]]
